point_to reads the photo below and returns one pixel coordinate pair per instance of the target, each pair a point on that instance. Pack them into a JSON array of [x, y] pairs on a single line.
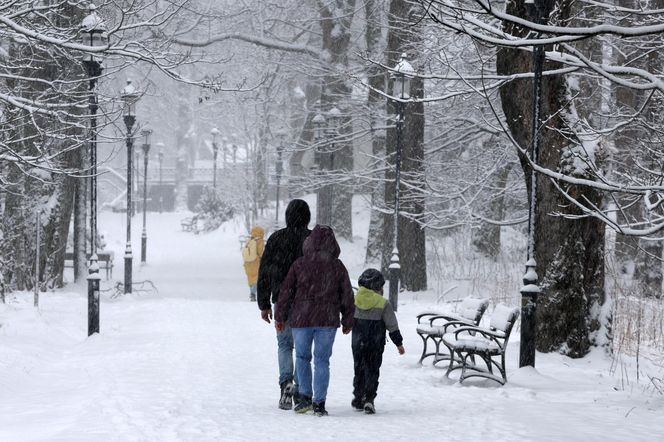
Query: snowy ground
[[194, 362]]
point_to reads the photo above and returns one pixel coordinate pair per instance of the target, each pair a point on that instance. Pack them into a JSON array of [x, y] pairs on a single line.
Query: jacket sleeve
[[347, 301], [264, 285], [286, 295], [391, 324]]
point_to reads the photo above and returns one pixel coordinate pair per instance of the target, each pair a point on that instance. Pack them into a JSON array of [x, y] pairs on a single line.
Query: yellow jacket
[[251, 267]]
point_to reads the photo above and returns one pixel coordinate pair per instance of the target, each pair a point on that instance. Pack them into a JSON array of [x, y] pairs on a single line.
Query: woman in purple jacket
[[314, 294]]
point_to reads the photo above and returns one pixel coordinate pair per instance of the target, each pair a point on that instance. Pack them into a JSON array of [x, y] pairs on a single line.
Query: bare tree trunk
[[80, 215], [336, 20], [402, 37], [569, 252], [376, 106], [486, 238], [182, 151]]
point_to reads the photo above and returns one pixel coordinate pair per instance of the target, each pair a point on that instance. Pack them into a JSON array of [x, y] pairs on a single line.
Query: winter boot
[[357, 404], [319, 409], [369, 407], [286, 399], [252, 298], [304, 405]]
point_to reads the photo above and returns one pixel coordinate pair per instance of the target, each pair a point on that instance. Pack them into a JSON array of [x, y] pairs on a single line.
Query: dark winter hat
[[298, 214], [372, 279]]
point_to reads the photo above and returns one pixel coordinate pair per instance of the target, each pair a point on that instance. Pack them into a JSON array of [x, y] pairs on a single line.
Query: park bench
[[189, 225], [104, 259], [431, 326], [489, 344]]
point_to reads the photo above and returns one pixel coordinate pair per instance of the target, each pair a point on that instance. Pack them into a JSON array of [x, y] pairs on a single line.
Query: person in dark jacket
[[282, 249], [315, 293], [374, 316]]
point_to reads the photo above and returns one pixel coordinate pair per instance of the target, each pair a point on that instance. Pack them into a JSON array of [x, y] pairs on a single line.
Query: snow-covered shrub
[[212, 210]]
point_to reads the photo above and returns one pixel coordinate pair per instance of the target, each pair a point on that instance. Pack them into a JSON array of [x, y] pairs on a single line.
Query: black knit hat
[[372, 279]]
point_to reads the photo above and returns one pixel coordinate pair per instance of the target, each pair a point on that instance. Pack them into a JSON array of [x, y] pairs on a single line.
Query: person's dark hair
[[372, 279], [298, 214]]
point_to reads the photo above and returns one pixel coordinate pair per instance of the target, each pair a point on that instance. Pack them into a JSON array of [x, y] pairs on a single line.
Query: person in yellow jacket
[[251, 255]]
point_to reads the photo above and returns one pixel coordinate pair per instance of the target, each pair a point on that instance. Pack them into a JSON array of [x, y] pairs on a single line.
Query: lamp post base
[[144, 247], [128, 262], [529, 293], [395, 276], [93, 295]]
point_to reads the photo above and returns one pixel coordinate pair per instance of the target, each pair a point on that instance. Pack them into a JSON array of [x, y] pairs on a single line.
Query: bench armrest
[[449, 318], [496, 336], [422, 317]]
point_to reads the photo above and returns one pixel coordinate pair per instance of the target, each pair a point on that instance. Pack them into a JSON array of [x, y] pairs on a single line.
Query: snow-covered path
[[195, 363]]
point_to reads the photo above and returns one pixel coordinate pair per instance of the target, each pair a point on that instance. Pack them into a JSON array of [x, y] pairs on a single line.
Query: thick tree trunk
[[80, 215], [569, 252], [376, 107], [486, 238], [402, 37], [336, 20]]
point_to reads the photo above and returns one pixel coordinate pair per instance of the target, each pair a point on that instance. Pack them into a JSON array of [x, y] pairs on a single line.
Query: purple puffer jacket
[[317, 288]]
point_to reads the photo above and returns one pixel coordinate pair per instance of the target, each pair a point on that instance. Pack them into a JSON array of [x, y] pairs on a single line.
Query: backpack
[[249, 253]]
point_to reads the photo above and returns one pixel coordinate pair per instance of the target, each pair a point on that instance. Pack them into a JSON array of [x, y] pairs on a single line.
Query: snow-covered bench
[[431, 326], [189, 225], [489, 344]]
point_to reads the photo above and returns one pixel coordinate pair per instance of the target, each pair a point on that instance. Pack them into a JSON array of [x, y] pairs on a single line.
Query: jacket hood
[[321, 240], [257, 232], [297, 214], [367, 299]]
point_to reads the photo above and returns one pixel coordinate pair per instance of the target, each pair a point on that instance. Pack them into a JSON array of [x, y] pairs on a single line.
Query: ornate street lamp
[[146, 133], [93, 34], [129, 97], [539, 11], [160, 157], [215, 151], [281, 137], [402, 74]]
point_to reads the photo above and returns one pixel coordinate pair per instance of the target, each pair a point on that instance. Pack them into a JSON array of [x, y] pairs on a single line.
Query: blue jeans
[[285, 354], [322, 339]]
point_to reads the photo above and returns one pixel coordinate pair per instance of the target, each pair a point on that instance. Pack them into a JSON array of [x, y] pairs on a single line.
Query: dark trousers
[[368, 358]]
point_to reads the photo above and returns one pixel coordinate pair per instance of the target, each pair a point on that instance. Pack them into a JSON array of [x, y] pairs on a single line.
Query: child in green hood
[[374, 316]]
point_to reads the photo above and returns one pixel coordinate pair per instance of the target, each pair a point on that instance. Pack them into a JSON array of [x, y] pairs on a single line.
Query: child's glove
[[346, 330], [280, 326], [401, 349]]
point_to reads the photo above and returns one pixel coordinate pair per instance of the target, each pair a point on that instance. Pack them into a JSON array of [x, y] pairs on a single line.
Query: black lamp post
[[215, 151], [129, 97], [281, 136], [401, 76], [93, 34], [539, 11], [146, 132], [160, 157]]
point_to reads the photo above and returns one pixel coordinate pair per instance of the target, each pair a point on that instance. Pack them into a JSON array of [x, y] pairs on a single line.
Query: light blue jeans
[[322, 339], [285, 354]]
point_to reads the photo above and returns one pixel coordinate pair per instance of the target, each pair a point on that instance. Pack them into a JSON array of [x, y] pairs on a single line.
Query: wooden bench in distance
[[104, 258], [189, 225], [489, 344], [431, 326]]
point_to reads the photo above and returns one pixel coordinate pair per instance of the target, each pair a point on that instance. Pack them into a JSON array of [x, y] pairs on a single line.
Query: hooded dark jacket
[[317, 288], [282, 249]]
